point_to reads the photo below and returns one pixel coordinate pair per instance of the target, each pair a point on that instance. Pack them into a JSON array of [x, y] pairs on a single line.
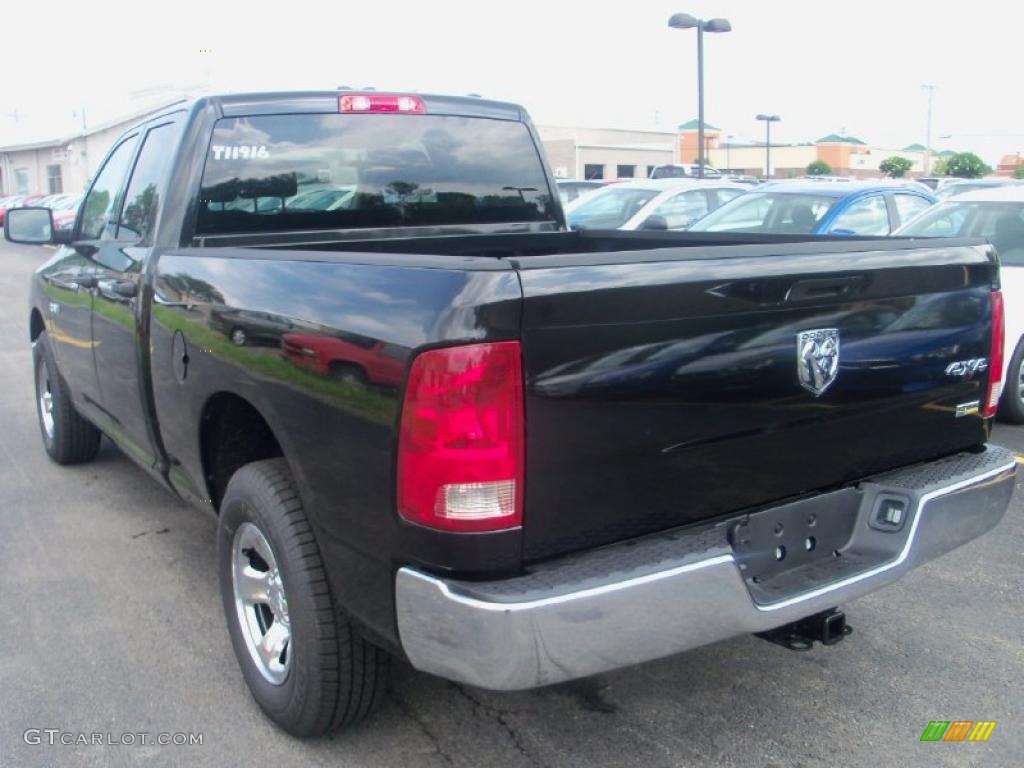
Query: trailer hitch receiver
[[827, 627]]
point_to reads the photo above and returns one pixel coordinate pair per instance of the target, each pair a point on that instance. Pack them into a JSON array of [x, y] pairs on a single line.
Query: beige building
[[67, 164], [63, 164], [606, 153], [846, 155], [845, 158]]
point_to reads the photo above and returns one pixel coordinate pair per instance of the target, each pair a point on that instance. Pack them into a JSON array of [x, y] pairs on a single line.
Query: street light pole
[[700, 101], [768, 120], [686, 21], [928, 134]]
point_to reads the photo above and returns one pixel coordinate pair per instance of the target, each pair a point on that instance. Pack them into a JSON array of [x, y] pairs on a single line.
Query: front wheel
[[1011, 405], [307, 666], [67, 437]]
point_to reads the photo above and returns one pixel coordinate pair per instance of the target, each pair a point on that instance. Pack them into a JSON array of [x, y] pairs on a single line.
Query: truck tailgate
[[666, 388]]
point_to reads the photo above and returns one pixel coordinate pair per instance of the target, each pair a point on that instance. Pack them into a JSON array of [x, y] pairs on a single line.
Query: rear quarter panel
[[339, 438]]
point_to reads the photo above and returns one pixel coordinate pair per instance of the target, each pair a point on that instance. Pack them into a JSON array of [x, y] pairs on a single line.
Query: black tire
[[335, 677], [1011, 404], [349, 374], [71, 439]]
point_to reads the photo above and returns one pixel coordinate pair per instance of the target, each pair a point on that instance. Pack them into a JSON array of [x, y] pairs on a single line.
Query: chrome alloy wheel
[[1020, 382], [261, 603], [45, 394]]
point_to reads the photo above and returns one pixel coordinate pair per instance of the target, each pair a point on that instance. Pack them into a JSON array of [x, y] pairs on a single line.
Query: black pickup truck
[[432, 422]]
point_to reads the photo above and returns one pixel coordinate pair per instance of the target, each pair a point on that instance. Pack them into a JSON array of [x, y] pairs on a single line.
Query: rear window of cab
[[275, 173]]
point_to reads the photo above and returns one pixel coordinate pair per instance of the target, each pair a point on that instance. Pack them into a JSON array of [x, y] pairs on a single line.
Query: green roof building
[[694, 125], [837, 138]]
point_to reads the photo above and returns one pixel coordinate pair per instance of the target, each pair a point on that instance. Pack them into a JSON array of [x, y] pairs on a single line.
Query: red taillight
[[995, 359], [381, 102], [460, 449]]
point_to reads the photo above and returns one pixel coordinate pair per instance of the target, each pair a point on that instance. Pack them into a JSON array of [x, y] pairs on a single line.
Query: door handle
[[85, 281], [825, 288], [125, 288]]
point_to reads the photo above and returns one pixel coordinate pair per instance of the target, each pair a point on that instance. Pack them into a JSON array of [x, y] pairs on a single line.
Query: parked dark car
[[682, 171], [595, 448], [246, 326]]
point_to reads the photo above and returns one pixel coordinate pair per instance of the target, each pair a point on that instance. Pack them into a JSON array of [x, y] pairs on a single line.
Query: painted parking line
[[1019, 458]]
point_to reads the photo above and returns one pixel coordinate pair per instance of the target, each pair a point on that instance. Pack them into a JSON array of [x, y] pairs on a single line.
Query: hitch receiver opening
[[827, 627]]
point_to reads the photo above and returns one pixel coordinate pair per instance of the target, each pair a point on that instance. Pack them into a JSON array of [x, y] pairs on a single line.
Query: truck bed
[[661, 375]]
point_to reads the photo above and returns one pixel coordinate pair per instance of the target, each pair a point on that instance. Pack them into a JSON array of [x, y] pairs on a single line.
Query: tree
[[966, 165], [895, 167], [193, 288], [1018, 172], [819, 168], [940, 167]]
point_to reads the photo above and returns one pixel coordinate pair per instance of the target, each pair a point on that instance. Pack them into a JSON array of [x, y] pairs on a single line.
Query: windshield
[[1002, 224], [772, 212], [609, 208], [956, 189], [275, 173], [959, 187]]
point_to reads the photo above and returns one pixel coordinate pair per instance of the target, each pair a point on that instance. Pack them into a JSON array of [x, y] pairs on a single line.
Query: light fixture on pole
[[768, 120], [686, 21]]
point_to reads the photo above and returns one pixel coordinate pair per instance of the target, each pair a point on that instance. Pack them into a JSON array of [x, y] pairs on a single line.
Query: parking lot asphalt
[[110, 622]]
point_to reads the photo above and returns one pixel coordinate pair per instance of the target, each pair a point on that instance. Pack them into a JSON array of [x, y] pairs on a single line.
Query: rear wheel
[[1011, 404], [349, 374], [307, 666], [67, 437], [239, 337]]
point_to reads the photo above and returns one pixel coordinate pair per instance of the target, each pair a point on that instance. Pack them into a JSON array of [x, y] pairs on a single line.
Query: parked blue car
[[840, 208]]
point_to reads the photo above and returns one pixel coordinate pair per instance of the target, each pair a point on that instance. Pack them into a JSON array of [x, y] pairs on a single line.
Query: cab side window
[[142, 199], [726, 194], [908, 206], [867, 216], [99, 210], [680, 211]]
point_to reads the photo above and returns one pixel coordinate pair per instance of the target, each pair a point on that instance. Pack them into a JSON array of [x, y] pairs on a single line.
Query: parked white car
[[651, 203], [956, 187], [995, 213]]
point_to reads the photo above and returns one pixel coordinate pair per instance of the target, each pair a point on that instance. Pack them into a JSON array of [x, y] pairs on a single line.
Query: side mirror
[[655, 222], [32, 226]]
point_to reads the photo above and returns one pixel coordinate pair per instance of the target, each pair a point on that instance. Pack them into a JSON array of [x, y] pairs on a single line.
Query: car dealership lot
[[112, 623]]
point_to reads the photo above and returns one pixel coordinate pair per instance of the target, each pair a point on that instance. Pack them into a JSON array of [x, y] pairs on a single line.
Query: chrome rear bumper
[[661, 595]]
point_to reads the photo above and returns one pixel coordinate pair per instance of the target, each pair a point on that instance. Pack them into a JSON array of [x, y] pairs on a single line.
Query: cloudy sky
[[824, 67]]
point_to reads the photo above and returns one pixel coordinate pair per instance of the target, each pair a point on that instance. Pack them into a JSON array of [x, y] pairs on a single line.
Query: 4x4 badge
[[817, 358]]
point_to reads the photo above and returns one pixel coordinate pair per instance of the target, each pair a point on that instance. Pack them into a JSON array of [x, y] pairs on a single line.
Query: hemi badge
[[968, 409]]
